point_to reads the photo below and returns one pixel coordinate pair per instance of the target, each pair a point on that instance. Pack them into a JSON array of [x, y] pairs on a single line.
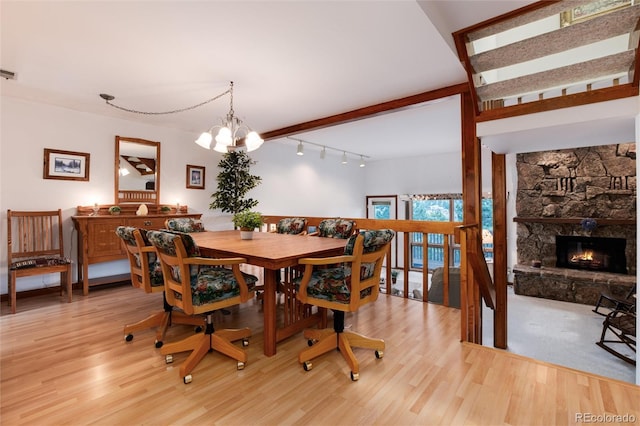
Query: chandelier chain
[[172, 111]]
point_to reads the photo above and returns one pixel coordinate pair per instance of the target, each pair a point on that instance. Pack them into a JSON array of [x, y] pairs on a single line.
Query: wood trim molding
[[576, 99], [572, 220]]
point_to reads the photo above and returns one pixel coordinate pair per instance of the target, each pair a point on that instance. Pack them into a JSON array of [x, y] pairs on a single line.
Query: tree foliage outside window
[[234, 182], [442, 210]]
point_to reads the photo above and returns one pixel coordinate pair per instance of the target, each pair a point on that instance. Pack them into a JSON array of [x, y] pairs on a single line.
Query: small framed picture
[[65, 165], [195, 177]]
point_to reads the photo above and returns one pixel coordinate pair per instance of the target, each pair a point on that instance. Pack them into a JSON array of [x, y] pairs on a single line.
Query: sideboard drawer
[[147, 222]]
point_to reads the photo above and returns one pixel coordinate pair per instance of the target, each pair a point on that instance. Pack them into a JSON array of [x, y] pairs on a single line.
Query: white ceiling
[[291, 62]]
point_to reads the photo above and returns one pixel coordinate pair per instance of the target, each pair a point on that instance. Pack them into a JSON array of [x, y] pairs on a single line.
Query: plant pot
[[115, 213], [246, 234]]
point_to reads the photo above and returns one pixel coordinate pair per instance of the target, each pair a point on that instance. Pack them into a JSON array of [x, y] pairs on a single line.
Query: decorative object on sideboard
[[142, 210], [115, 210], [165, 209]]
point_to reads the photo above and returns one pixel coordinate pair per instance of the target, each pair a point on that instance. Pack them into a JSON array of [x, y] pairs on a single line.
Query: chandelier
[[230, 133]]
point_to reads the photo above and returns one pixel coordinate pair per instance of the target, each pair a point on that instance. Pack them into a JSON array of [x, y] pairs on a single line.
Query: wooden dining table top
[[267, 249]]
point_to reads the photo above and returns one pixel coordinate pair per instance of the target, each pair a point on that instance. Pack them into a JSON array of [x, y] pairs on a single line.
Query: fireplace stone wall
[[556, 191]]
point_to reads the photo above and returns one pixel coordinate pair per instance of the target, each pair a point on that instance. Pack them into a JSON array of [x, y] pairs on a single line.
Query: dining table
[[272, 252]]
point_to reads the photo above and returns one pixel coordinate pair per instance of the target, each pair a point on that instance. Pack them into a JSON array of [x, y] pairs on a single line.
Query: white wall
[[291, 185], [307, 185]]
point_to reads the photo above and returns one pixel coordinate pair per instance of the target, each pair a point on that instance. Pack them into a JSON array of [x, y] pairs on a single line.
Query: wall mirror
[[137, 171]]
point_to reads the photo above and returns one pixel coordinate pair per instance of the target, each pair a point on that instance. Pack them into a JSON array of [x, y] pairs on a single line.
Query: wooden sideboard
[[98, 242]]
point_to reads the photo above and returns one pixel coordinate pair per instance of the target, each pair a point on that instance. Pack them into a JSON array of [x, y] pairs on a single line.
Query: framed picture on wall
[[65, 165], [195, 177]]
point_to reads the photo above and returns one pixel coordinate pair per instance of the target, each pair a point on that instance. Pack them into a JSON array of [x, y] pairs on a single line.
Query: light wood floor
[[68, 364]]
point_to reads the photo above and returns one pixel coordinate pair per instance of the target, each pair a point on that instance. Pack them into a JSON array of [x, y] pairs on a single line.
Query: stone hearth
[[557, 190], [569, 285]]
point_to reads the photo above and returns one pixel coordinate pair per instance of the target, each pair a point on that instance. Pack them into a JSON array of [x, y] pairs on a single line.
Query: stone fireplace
[[576, 223]]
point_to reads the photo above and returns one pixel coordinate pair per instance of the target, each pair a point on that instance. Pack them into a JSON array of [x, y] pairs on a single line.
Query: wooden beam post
[[471, 199], [499, 195]]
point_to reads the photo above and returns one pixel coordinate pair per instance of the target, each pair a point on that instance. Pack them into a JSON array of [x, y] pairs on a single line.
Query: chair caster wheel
[[128, 337], [379, 354], [355, 376], [240, 365], [198, 329], [187, 379], [159, 344], [307, 366], [168, 359], [245, 342]]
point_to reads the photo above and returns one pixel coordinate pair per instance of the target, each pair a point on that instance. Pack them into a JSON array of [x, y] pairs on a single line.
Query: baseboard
[[53, 289]]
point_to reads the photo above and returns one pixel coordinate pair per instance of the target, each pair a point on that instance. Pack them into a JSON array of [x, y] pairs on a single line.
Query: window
[[445, 208]]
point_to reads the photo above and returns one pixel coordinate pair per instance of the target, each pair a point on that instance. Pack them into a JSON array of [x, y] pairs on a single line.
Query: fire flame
[[586, 255]]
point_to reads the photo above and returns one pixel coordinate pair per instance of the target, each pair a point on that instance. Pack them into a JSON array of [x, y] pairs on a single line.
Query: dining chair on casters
[[146, 274], [184, 224], [335, 228], [289, 226], [200, 286], [344, 284], [35, 247]]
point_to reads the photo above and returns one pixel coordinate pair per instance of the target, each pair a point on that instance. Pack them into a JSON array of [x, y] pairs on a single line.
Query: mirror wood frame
[[141, 196]]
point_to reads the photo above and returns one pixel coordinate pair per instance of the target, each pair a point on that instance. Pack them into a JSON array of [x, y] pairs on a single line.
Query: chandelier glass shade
[[230, 133]]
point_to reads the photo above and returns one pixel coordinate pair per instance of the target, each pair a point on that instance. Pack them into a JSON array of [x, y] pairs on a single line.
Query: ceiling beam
[[367, 112]]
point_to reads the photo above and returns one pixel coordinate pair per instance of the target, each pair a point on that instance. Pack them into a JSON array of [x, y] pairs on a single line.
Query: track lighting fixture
[[323, 151]]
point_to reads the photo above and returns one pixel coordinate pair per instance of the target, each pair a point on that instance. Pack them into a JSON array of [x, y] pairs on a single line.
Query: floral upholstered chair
[[331, 283], [336, 228], [146, 274], [200, 285], [184, 224], [291, 225]]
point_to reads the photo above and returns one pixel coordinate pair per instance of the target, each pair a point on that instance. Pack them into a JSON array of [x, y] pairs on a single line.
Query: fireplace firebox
[[591, 253]]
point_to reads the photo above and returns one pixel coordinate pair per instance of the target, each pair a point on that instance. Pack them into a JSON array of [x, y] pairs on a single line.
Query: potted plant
[[115, 210], [247, 221], [234, 182], [394, 275], [165, 209]]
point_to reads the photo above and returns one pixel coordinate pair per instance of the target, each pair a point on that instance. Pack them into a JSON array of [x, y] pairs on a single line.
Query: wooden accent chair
[[200, 285], [329, 283], [622, 324], [35, 247], [146, 274], [184, 224], [616, 303]]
